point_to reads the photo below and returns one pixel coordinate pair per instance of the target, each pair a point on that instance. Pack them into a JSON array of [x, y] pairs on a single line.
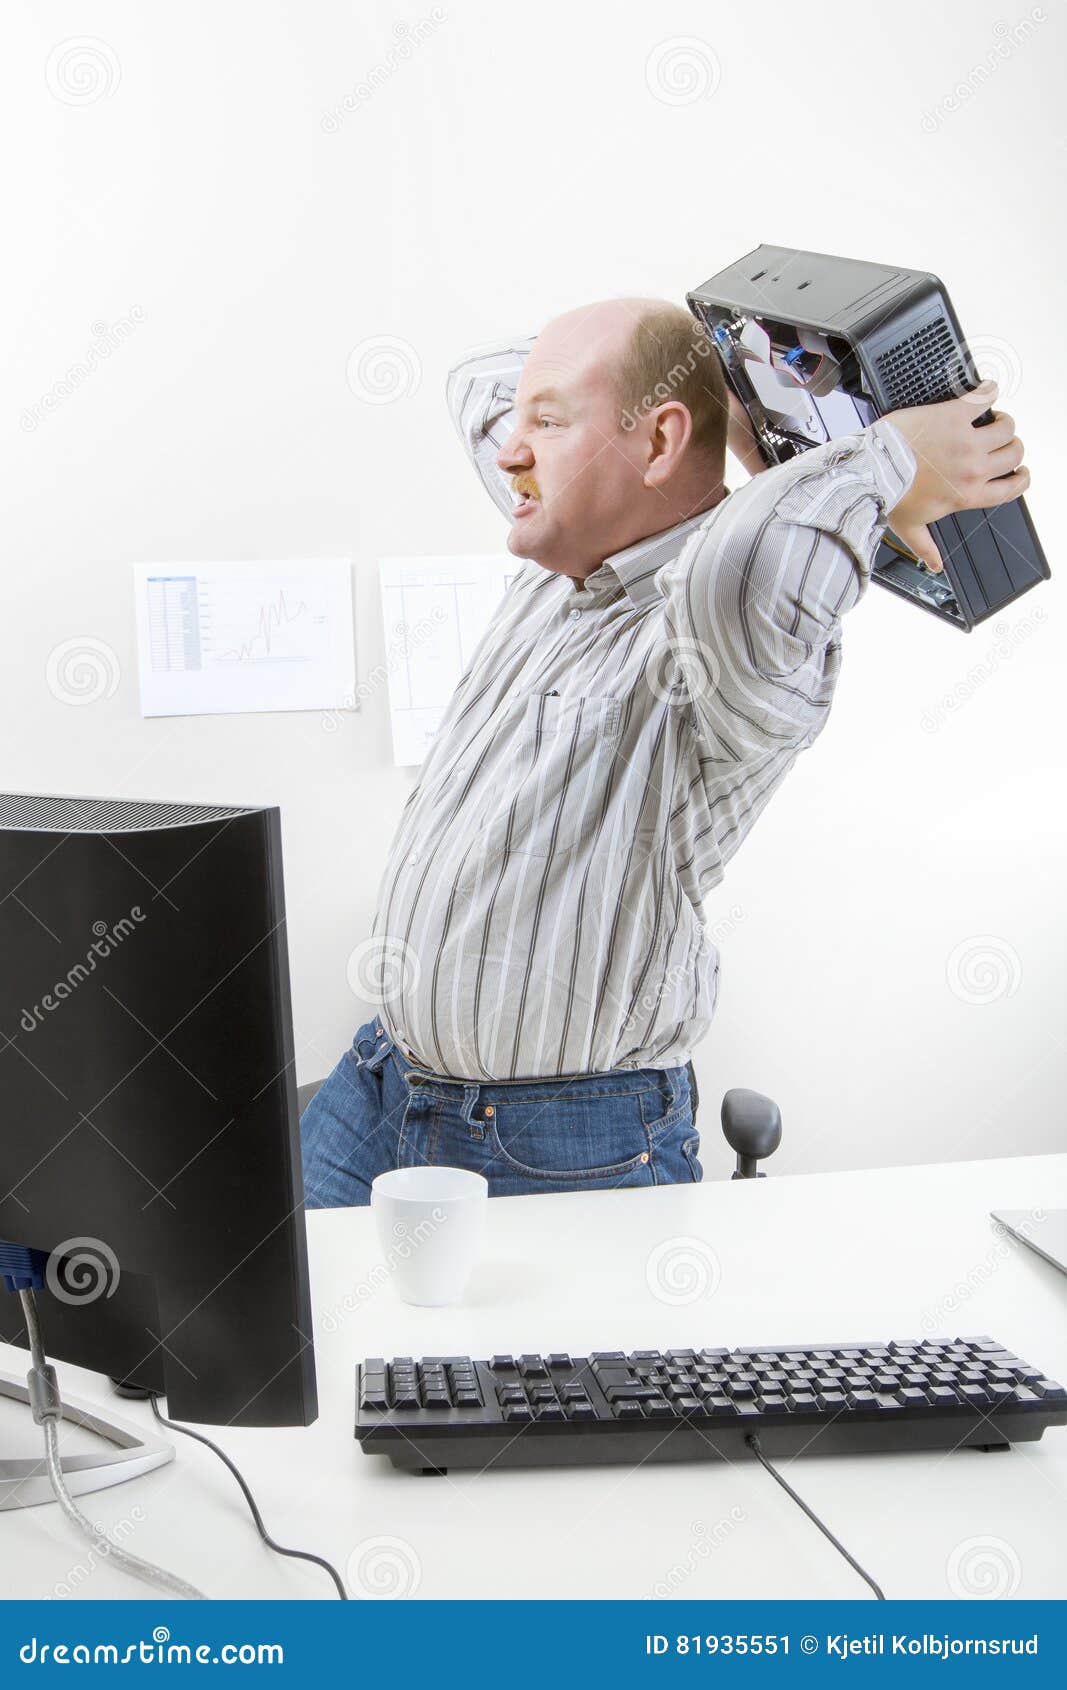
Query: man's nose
[[515, 454]]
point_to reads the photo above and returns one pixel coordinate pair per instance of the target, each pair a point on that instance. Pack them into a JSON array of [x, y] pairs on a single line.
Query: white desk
[[865, 1255]]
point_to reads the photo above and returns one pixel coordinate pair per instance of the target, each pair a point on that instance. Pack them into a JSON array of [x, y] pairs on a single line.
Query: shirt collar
[[637, 566]]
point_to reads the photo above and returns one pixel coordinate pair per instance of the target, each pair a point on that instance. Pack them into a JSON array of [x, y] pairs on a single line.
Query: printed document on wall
[[219, 638], [435, 611]]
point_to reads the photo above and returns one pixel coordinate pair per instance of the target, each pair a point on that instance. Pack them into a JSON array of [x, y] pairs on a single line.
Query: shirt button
[[574, 615], [414, 857]]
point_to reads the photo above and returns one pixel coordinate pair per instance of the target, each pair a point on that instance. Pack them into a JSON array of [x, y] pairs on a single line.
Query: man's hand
[[959, 467], [740, 439]]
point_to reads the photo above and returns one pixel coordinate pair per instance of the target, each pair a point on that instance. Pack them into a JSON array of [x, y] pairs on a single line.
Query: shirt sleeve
[[481, 393], [755, 601]]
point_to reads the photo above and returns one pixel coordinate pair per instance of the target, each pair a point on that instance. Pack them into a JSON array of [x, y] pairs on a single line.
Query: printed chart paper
[[435, 611], [218, 638]]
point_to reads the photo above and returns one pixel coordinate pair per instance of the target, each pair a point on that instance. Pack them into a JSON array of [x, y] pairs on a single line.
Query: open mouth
[[526, 496]]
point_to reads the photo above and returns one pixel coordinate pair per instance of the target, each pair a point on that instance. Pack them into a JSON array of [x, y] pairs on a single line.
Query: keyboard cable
[[752, 1440], [278, 1548]]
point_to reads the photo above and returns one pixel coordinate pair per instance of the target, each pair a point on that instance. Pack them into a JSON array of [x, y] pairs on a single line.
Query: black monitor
[[149, 1136]]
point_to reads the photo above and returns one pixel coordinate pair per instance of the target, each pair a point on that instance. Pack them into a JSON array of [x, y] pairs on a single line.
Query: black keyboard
[[682, 1405]]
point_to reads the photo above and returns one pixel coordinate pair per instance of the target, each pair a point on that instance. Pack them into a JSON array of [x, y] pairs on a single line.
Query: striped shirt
[[607, 750]]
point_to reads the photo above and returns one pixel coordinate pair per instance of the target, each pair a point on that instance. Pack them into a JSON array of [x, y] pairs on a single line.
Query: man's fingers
[[997, 433], [1006, 458], [919, 540], [1010, 487]]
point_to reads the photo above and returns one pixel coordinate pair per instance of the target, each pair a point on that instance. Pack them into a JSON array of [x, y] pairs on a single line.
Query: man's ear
[[670, 433]]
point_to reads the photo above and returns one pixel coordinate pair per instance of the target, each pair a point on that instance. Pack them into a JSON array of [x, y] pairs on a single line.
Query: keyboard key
[[912, 1396], [436, 1399], [688, 1405], [628, 1410], [559, 1359], [532, 1367], [468, 1399], [1049, 1391], [645, 1355], [681, 1355], [801, 1401], [502, 1364], [659, 1409], [516, 1412], [608, 1358], [373, 1396], [550, 1411], [580, 1411], [406, 1398], [976, 1395], [632, 1393], [942, 1396]]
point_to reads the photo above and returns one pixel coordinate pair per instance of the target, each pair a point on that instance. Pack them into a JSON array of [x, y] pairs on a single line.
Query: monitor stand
[[24, 1482]]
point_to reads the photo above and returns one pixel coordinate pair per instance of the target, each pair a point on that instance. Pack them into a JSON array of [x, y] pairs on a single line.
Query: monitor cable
[[47, 1408], [279, 1549], [754, 1445]]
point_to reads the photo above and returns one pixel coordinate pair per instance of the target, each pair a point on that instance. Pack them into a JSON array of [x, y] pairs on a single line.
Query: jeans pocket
[[570, 1142]]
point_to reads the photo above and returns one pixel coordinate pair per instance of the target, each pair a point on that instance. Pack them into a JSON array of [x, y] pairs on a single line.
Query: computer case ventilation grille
[[922, 368]]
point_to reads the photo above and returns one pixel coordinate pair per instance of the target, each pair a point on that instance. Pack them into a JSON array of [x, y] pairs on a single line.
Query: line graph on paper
[[200, 622], [245, 636]]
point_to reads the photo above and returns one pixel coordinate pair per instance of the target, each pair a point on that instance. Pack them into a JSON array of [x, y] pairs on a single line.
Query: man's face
[[576, 472]]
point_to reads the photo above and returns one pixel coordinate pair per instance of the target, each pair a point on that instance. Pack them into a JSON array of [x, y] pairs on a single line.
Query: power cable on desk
[[754, 1445], [279, 1549]]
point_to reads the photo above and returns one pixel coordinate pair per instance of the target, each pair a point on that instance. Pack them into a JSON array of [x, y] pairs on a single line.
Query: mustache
[[525, 484]]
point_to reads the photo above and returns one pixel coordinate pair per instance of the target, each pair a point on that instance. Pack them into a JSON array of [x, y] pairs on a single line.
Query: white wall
[[517, 161]]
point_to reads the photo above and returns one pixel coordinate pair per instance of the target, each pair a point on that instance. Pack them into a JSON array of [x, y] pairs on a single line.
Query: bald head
[[620, 432]]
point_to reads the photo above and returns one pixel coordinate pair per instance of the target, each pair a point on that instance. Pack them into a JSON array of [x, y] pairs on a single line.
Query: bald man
[[660, 660]]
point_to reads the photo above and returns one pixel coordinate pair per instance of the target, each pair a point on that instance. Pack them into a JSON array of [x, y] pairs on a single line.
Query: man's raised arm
[[480, 393], [754, 604]]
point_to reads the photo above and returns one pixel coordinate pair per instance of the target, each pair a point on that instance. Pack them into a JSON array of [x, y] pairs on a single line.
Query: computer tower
[[817, 347]]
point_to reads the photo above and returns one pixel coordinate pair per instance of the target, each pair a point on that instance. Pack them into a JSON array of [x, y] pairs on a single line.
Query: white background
[[197, 186]]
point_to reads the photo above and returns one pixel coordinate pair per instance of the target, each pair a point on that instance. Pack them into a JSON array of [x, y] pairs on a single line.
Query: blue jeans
[[379, 1111]]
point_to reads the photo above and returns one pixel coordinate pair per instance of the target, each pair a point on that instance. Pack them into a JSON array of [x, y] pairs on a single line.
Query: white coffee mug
[[430, 1223]]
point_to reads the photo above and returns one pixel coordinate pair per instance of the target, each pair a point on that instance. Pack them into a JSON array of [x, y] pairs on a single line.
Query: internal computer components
[[816, 348]]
